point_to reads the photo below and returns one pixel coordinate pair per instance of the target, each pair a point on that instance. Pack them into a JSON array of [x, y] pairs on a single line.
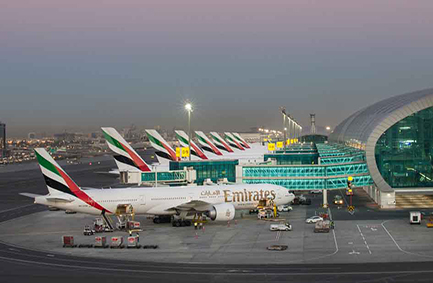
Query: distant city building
[[2, 140], [64, 137], [31, 136]]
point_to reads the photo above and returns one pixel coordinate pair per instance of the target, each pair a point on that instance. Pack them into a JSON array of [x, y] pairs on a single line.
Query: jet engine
[[222, 212]]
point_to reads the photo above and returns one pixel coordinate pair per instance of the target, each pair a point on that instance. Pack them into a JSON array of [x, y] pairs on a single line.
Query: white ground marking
[[16, 208], [395, 242], [365, 241], [333, 232], [277, 237]]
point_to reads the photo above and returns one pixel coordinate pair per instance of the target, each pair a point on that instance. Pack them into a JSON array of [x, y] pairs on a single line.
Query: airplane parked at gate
[[241, 140], [126, 157], [217, 147], [217, 202], [207, 144], [195, 150], [231, 140], [163, 149]]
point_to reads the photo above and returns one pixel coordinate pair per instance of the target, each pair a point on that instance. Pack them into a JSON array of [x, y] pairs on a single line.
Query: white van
[[281, 227], [415, 217]]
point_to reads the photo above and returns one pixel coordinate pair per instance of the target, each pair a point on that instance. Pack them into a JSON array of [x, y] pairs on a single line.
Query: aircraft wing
[[196, 205]]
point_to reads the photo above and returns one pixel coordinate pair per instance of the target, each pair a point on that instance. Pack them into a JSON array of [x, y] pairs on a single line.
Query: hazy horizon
[[87, 64]]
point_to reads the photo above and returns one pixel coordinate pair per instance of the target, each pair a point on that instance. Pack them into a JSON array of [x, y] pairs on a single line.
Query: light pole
[[283, 111], [188, 108]]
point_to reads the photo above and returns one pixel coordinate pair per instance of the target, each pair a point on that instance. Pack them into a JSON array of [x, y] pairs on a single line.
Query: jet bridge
[[335, 163], [173, 177]]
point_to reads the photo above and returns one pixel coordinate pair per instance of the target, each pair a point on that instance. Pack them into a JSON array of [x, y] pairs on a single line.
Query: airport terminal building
[[396, 135]]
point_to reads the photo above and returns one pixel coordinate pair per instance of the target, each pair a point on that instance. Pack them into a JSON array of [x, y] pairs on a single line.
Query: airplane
[[219, 203], [207, 144], [241, 140], [232, 141], [163, 149], [126, 157], [220, 143], [195, 150]]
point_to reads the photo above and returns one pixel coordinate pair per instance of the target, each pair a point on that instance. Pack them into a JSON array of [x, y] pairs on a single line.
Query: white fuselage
[[166, 200]]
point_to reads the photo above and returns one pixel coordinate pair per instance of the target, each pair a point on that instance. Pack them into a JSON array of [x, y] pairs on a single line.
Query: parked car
[[284, 208], [281, 227], [313, 219], [70, 211]]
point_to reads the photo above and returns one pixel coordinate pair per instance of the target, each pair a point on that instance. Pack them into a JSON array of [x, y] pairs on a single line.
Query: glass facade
[[164, 176], [304, 171], [313, 184], [404, 152], [293, 158], [214, 170]]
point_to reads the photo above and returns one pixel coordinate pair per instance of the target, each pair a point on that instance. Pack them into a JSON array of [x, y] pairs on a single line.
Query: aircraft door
[[142, 200]]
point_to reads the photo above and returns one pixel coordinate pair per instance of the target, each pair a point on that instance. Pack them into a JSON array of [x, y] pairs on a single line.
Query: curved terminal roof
[[364, 128], [359, 126]]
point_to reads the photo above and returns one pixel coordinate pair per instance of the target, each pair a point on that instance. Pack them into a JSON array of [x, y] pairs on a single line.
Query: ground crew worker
[[201, 225], [138, 238], [195, 225]]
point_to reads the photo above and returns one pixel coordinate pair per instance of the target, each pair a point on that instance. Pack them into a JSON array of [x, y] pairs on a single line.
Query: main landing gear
[[181, 223]]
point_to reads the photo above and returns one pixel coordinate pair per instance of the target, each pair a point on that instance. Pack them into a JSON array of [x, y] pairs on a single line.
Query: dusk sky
[[85, 64]]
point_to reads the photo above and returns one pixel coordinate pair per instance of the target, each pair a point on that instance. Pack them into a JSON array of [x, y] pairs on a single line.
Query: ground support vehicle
[[284, 208], [415, 217], [277, 248], [338, 200], [88, 231], [281, 227], [322, 226]]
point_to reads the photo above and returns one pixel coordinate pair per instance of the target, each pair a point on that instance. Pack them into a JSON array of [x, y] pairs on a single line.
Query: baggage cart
[[68, 242], [101, 242], [116, 242], [133, 242]]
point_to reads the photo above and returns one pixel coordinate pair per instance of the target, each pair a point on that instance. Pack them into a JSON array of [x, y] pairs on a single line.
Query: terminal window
[[404, 151]]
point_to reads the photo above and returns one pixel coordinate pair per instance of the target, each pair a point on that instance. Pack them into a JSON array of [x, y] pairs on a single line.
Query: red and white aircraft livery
[[218, 202]]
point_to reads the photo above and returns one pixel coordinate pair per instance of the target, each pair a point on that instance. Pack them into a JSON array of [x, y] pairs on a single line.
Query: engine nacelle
[[222, 212]]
